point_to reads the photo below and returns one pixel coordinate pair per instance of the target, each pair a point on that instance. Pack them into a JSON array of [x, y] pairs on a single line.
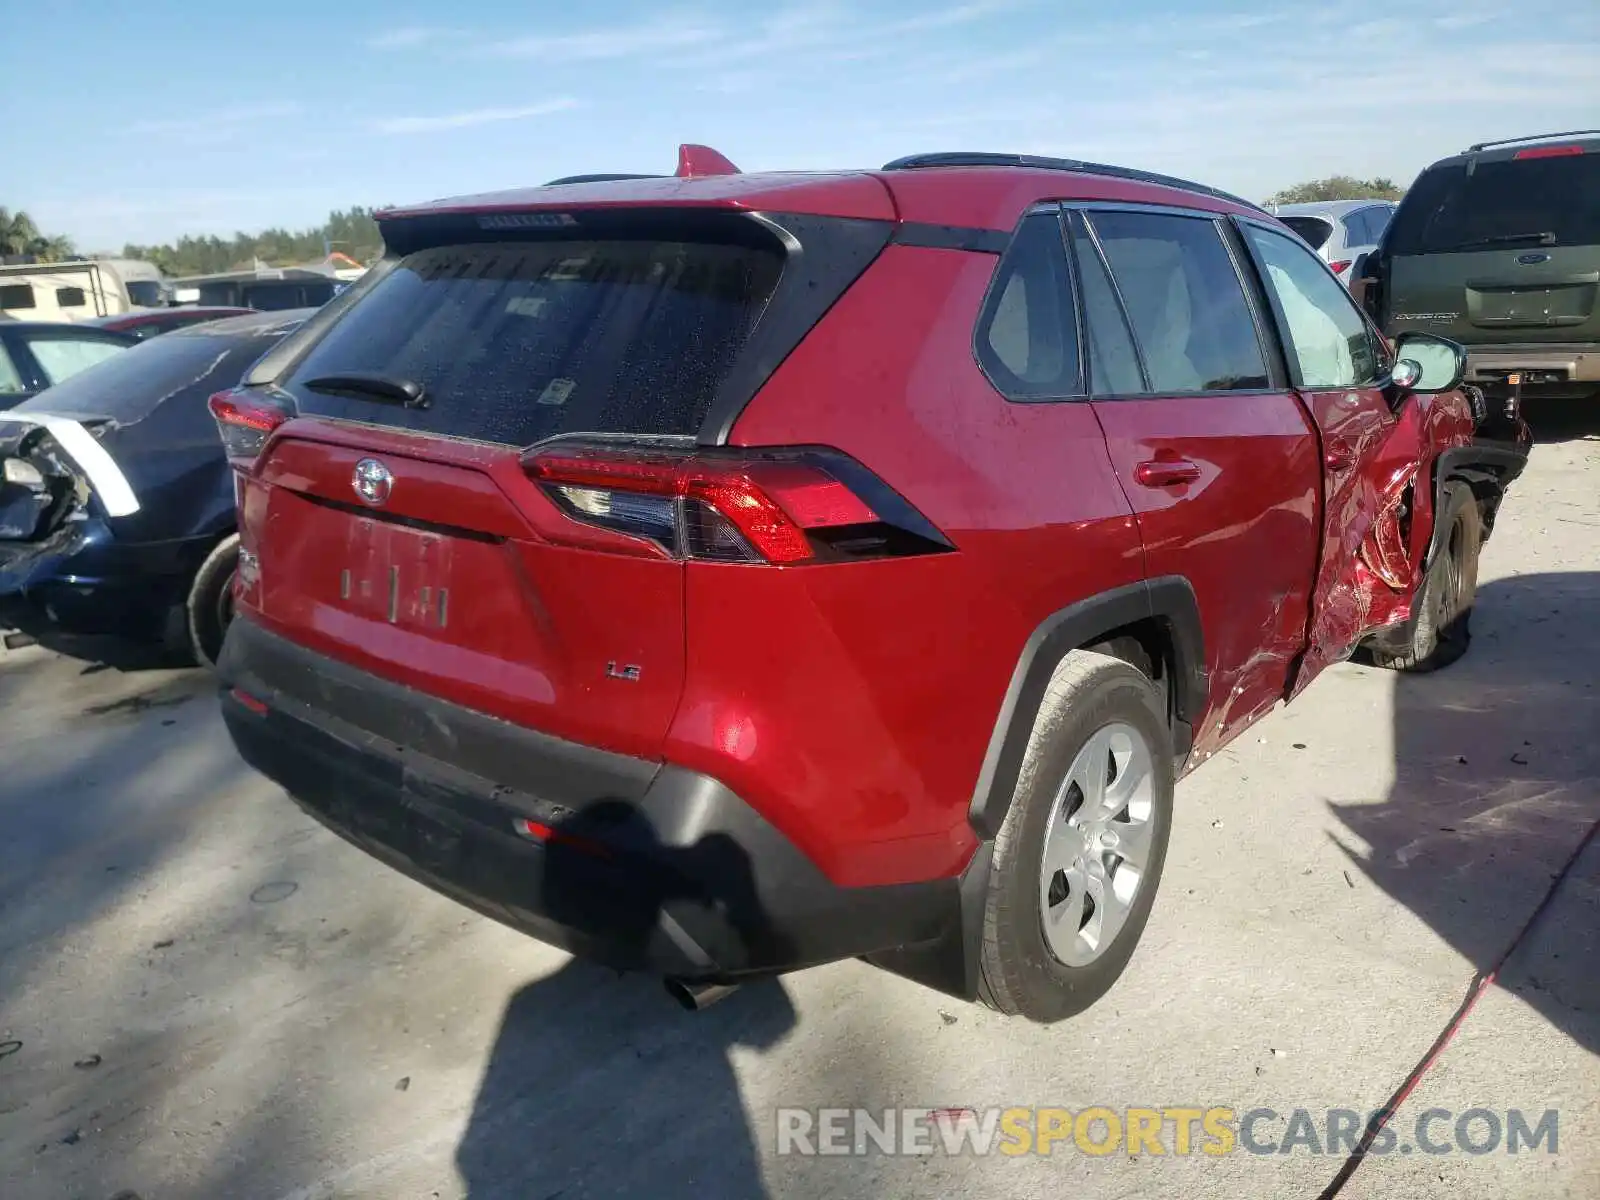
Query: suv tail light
[[781, 507], [1340, 267], [245, 422]]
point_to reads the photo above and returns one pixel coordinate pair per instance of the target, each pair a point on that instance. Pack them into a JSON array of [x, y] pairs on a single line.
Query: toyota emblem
[[372, 481]]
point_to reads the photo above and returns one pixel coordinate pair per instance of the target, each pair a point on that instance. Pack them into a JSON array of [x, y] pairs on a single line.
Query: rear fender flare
[[1169, 600]]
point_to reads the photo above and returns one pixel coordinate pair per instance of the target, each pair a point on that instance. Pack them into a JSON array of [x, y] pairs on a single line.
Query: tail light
[[1340, 267], [780, 507], [245, 422]]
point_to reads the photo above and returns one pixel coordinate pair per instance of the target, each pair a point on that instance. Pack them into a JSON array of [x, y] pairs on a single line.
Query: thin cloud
[[409, 37], [476, 116], [949, 18], [621, 41], [217, 120]]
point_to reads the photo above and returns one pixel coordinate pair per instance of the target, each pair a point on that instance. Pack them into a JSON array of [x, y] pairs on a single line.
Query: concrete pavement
[[202, 994]]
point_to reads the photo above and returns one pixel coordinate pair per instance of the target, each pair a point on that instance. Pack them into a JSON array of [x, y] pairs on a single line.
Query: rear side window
[[1513, 202], [70, 297], [61, 358], [1314, 230], [1185, 301], [1027, 337], [17, 295], [520, 341]]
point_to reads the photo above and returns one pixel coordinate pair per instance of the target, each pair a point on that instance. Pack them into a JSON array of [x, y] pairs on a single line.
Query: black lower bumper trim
[[637, 865]]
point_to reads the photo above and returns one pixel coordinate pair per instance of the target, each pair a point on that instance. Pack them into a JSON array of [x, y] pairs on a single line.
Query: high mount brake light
[[754, 508], [1550, 152], [245, 423]]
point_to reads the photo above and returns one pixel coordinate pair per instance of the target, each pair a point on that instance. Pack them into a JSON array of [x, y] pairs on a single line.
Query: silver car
[[1339, 230]]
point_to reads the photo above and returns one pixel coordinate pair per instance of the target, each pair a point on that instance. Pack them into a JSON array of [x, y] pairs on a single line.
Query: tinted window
[[1185, 301], [1355, 228], [517, 342], [1027, 337], [1314, 230], [1113, 361], [70, 297], [1329, 342], [17, 295], [1377, 223], [1448, 209], [60, 358]]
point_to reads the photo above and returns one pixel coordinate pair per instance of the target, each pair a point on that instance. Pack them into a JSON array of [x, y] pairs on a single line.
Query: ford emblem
[[1529, 260], [372, 481]]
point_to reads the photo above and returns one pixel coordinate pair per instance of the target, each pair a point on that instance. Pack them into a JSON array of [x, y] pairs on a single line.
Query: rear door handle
[[1165, 472]]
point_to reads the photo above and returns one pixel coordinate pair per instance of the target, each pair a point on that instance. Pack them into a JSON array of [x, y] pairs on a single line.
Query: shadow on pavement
[[98, 651], [1564, 420], [1497, 784], [660, 1112]]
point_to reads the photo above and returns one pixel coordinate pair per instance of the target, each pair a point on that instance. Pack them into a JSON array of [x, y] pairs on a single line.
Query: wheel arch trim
[[1479, 463], [1169, 600]]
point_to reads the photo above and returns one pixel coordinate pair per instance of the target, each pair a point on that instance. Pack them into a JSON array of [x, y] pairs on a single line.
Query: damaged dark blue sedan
[[116, 500]]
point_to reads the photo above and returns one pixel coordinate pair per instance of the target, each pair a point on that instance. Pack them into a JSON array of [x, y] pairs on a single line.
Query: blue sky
[[138, 122]]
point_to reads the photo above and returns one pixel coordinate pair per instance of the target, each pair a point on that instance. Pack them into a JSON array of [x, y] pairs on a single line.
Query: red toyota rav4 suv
[[721, 574]]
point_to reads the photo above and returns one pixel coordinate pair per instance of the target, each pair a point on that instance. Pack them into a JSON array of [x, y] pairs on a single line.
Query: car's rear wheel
[[1441, 630], [1081, 850], [209, 608]]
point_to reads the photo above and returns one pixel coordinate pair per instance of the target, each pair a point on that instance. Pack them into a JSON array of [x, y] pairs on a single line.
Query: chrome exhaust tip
[[693, 997]]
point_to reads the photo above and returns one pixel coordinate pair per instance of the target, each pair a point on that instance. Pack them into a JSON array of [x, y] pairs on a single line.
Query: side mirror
[[1427, 363]]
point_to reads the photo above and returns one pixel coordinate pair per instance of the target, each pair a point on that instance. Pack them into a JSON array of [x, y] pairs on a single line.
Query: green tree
[[19, 235], [1338, 187], [352, 231]]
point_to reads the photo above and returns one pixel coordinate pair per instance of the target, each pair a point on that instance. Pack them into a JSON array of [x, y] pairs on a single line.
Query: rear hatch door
[[406, 537], [1501, 249]]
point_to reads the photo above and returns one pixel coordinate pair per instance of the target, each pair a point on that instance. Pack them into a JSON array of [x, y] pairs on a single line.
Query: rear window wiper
[[1507, 239], [373, 385]]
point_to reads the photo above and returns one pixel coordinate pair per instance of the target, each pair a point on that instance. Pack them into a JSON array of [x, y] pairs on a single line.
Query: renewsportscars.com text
[[1172, 1130]]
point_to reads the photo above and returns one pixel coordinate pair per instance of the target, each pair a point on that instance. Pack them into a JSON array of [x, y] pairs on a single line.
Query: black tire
[[1020, 973], [209, 608], [1441, 630]]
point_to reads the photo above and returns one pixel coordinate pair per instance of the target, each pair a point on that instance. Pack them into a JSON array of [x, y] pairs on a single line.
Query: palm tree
[[18, 233]]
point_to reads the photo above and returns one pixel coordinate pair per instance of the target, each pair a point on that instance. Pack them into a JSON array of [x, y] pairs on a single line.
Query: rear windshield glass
[[1508, 203], [516, 342], [132, 382], [1313, 230]]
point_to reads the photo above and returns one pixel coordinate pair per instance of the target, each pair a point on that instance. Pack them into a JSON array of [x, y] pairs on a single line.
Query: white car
[[1341, 231]]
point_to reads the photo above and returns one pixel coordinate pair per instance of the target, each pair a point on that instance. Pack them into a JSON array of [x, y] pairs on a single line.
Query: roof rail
[[566, 179], [1537, 137], [1037, 162]]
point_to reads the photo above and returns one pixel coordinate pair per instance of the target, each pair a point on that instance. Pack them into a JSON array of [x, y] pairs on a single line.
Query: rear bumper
[[1546, 367], [639, 865]]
